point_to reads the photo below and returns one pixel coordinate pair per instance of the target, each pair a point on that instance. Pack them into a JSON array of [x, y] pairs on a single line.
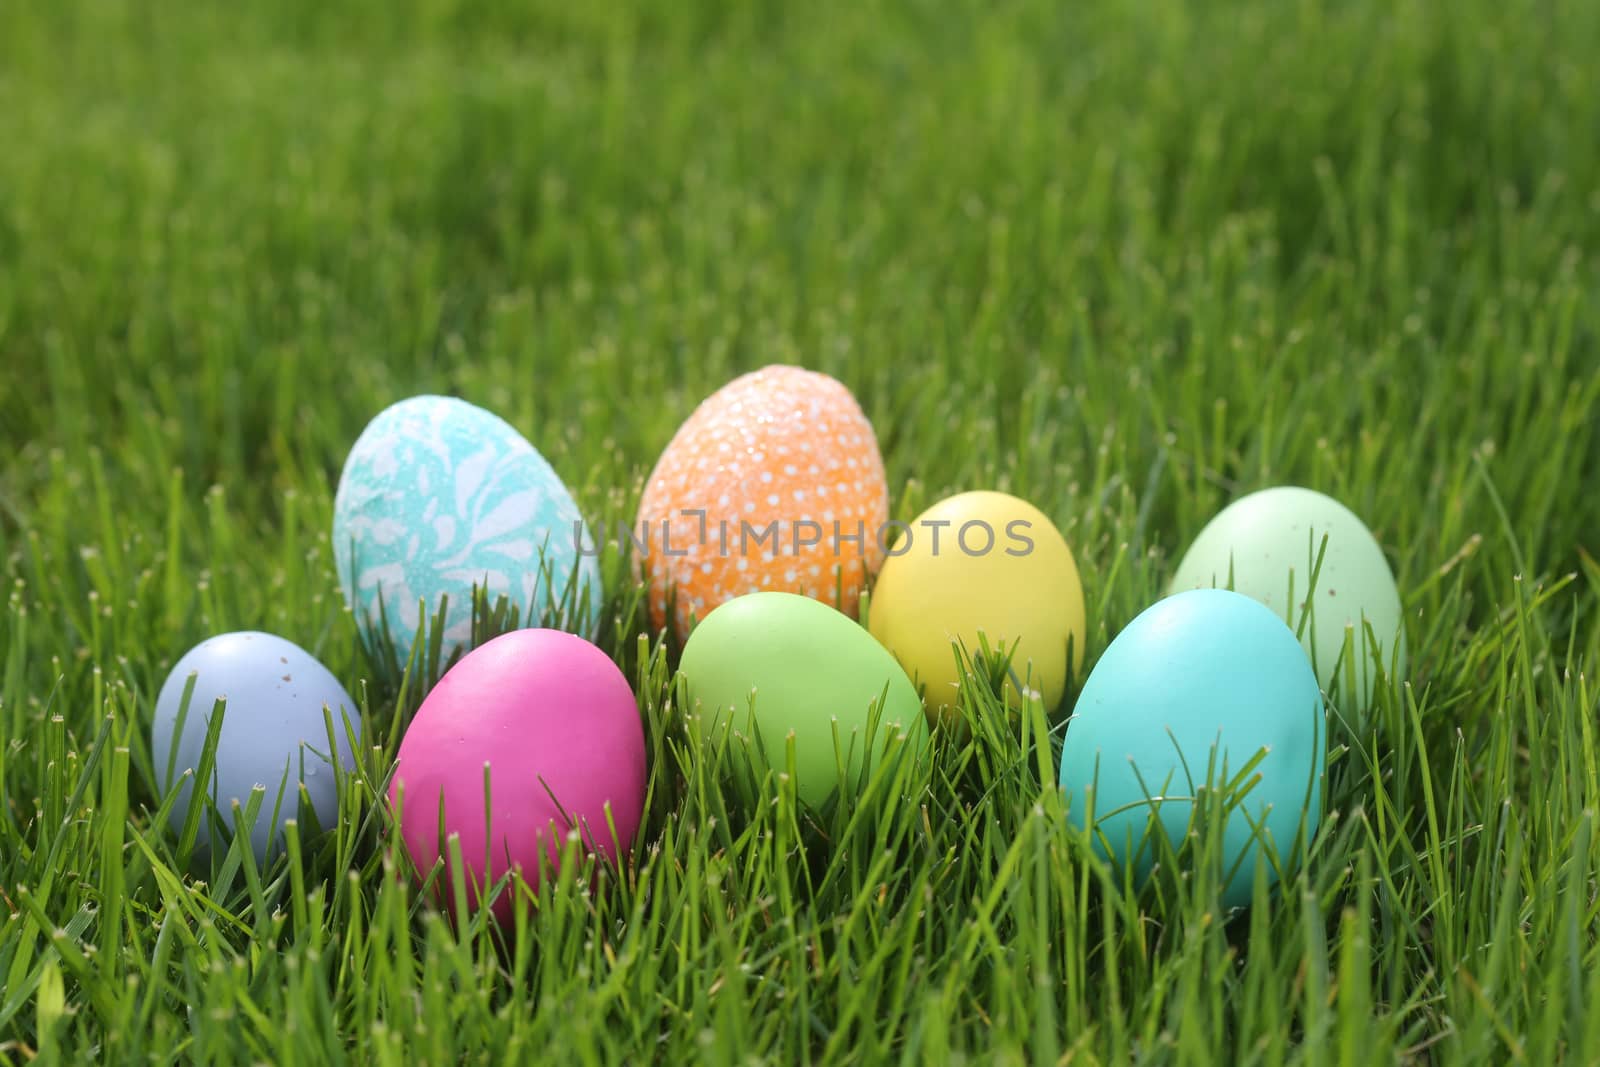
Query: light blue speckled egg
[[274, 733], [437, 495]]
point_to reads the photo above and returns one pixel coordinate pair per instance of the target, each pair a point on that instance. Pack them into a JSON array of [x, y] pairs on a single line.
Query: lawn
[[1129, 260]]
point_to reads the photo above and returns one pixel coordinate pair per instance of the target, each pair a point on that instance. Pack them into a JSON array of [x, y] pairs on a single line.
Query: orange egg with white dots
[[774, 483]]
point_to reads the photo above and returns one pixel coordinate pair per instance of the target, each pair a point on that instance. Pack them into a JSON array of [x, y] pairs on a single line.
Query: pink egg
[[558, 727]]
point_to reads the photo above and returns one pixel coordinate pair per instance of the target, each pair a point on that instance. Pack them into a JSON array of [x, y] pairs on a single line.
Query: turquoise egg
[[437, 495], [1188, 694]]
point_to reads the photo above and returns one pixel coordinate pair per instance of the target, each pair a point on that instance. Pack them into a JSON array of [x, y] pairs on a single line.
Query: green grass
[[1127, 259]]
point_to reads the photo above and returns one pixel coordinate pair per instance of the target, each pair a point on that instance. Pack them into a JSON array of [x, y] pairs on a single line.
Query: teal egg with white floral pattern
[[438, 495]]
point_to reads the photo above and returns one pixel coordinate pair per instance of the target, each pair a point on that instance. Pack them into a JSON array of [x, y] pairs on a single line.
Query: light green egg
[[1266, 546], [778, 665]]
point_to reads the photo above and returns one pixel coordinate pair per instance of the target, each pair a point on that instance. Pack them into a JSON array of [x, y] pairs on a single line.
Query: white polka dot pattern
[[786, 470]]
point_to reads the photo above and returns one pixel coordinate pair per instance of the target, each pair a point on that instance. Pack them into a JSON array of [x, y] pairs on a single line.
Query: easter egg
[[780, 666], [774, 484], [1183, 699], [981, 563], [1267, 545], [273, 733], [438, 495], [554, 724]]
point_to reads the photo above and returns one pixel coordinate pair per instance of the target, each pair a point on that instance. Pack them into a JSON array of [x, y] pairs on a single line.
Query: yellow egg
[[988, 563]]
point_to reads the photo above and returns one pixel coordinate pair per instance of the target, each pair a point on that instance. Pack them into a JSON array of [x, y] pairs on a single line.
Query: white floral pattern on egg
[[439, 494]]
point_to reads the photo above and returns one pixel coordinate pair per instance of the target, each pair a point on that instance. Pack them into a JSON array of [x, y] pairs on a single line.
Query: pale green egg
[[1266, 545]]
